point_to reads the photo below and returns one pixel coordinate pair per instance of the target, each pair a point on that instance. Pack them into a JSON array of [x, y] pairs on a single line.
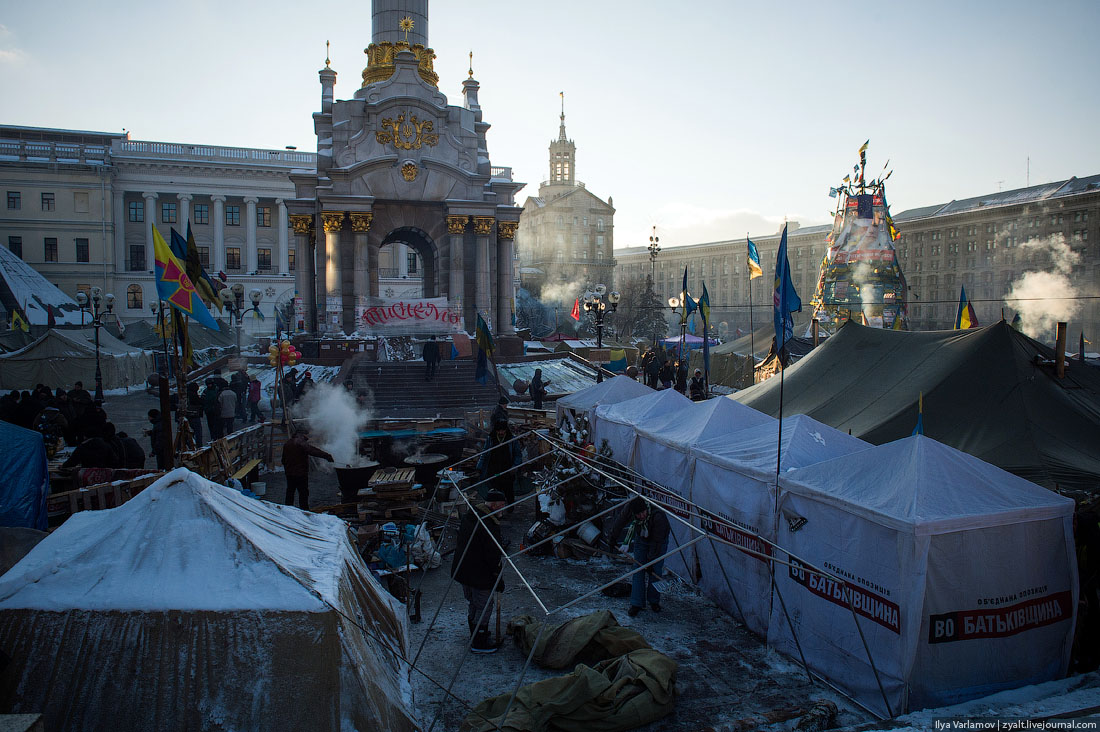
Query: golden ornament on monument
[[409, 171], [406, 135], [507, 229], [483, 225], [456, 224], [332, 221], [360, 222]]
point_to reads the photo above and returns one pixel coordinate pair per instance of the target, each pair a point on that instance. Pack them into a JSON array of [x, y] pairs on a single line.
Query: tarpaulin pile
[[586, 639]]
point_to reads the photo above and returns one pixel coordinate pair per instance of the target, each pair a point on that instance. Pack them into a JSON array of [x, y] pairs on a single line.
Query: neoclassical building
[[397, 165]]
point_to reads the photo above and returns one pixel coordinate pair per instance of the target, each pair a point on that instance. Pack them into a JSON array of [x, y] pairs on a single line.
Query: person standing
[[134, 456], [682, 377], [239, 384], [652, 370], [193, 413], [305, 385], [647, 537], [499, 456], [227, 409], [431, 358], [296, 454], [666, 374], [698, 387], [477, 562], [211, 410], [538, 388], [255, 415], [500, 414], [156, 437]]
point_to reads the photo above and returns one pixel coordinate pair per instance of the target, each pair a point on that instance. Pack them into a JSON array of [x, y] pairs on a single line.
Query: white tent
[[963, 576], [733, 485], [616, 422], [663, 454], [61, 357], [611, 391], [23, 287], [194, 607]]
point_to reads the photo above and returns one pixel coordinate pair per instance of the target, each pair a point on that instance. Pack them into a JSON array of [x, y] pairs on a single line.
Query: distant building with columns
[[398, 166]]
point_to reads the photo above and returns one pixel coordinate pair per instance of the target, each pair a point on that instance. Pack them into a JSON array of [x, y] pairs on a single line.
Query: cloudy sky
[[708, 119]]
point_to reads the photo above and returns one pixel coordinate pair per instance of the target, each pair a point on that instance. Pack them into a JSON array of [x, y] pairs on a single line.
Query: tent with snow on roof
[[61, 357], [192, 606], [24, 289], [585, 401], [962, 577], [733, 485], [616, 423]]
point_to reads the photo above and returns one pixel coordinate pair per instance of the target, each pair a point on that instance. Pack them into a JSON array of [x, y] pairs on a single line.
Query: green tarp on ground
[[990, 392], [619, 694], [588, 639]]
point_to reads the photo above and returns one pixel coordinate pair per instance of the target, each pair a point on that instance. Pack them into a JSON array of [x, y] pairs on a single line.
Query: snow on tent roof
[[697, 420], [21, 286], [805, 442], [919, 484], [638, 409], [987, 391], [611, 391], [183, 543]]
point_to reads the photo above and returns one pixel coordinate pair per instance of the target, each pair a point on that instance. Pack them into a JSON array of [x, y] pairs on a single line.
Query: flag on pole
[[187, 353], [863, 149], [704, 306], [919, 429], [18, 322], [704, 310], [965, 317], [175, 287], [754, 261], [207, 286], [485, 348], [575, 313], [688, 303], [51, 319], [785, 299]]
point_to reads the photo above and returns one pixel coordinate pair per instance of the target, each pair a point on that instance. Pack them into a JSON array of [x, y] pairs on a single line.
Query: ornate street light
[[93, 308], [654, 250], [681, 304], [233, 299], [599, 301]]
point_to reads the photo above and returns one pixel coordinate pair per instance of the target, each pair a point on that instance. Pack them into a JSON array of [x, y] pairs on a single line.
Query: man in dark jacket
[[296, 454], [131, 448], [647, 531], [94, 452], [500, 414], [477, 565], [499, 455], [697, 388], [431, 358], [213, 413], [156, 437]]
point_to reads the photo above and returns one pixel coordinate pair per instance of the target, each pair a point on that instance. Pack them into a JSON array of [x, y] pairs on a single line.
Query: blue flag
[[485, 347], [689, 304], [785, 299], [704, 308], [919, 429]]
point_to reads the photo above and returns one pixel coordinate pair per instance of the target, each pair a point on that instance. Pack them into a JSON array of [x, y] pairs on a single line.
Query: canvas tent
[[194, 607], [585, 401], [733, 484], [963, 577], [142, 334], [990, 392], [61, 357], [24, 289], [26, 479], [616, 422]]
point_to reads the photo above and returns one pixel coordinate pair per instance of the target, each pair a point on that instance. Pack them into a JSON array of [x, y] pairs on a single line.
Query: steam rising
[[335, 421], [564, 292], [1042, 297]]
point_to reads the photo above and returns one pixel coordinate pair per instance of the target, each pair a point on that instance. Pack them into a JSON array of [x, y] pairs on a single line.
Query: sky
[[708, 120]]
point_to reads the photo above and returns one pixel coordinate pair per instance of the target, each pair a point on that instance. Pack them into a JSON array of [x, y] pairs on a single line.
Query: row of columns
[[183, 216]]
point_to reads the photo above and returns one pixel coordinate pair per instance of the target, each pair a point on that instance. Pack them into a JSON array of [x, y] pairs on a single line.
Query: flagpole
[[752, 335], [165, 402]]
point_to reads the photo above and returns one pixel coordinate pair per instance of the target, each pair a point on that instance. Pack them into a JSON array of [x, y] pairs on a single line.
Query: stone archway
[[427, 251]]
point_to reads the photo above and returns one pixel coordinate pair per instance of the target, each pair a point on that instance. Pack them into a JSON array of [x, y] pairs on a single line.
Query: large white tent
[[194, 607], [733, 484], [962, 576], [61, 357], [616, 423], [585, 401]]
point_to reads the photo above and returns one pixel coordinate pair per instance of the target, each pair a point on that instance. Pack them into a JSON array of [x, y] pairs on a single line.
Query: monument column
[[219, 233], [333, 222], [150, 222], [360, 226], [506, 233], [303, 267], [456, 229], [284, 239], [483, 227], [251, 255], [185, 211]]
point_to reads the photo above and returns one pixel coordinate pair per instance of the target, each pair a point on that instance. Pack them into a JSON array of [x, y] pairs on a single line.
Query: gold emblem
[[380, 57], [483, 225], [406, 25], [302, 223], [456, 224], [409, 171], [407, 135], [332, 221], [507, 229], [360, 222]]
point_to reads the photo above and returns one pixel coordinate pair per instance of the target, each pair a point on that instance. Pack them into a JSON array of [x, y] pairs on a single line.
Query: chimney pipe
[[1060, 352]]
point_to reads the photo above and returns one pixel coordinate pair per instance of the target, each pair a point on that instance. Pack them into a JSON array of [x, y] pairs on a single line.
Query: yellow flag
[[18, 323]]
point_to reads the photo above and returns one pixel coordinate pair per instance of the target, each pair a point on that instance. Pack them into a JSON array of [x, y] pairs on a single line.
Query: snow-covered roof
[[21, 286]]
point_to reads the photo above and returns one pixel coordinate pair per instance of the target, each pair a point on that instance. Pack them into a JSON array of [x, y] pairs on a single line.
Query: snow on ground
[[266, 374]]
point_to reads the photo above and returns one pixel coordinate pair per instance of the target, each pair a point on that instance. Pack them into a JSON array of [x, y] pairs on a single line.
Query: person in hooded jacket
[[477, 564], [500, 454], [647, 538]]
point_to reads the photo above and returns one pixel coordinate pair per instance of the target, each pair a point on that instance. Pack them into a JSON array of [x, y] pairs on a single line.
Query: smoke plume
[[1043, 297], [335, 421]]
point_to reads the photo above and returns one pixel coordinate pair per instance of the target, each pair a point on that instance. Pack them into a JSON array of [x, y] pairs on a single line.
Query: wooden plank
[[246, 468]]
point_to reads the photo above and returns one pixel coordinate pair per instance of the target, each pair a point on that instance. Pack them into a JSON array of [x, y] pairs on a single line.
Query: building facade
[[81, 208], [985, 244], [566, 237]]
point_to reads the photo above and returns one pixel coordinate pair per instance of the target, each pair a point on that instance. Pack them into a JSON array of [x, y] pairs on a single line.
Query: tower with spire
[[404, 192], [565, 240]]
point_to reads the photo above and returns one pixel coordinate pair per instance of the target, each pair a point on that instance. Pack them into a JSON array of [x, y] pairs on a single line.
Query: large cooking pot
[[353, 479], [427, 464]]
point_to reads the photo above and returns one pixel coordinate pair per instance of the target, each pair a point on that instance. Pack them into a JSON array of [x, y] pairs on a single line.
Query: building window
[[137, 211], [15, 201], [410, 262], [167, 213], [82, 250], [290, 260], [137, 258], [232, 257], [599, 240], [47, 202], [15, 245], [599, 224], [263, 216], [134, 297], [204, 256], [263, 259], [202, 213], [50, 253], [233, 216]]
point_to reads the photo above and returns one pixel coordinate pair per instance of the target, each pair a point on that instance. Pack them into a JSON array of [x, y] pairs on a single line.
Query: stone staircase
[[399, 391]]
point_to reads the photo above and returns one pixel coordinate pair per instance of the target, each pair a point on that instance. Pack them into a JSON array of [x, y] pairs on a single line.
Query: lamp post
[[674, 303], [654, 250], [233, 300], [93, 309], [598, 302]]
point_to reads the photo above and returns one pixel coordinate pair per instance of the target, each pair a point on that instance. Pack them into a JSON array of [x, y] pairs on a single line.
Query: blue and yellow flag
[[754, 261], [175, 287], [704, 306], [965, 317], [485, 347], [919, 429], [785, 299], [688, 303], [18, 322]]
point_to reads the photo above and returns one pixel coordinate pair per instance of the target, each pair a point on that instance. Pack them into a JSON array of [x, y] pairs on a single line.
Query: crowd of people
[[663, 371]]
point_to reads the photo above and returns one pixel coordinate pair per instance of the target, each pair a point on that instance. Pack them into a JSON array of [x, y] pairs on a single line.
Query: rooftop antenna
[[1000, 185], [562, 95], [1028, 171], [327, 61], [471, 69]]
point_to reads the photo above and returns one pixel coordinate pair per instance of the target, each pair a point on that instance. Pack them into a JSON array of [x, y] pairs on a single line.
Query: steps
[[398, 389]]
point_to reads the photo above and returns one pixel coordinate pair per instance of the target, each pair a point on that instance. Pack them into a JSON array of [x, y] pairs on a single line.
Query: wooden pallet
[[392, 495], [392, 479]]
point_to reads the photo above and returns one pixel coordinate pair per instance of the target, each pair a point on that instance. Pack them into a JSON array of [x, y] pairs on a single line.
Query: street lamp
[[654, 250], [97, 322], [233, 300], [598, 302], [674, 303]]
